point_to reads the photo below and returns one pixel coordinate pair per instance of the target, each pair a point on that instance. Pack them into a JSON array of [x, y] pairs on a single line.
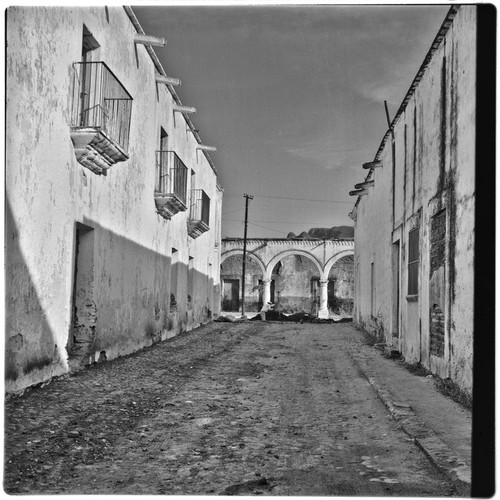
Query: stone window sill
[[412, 298]]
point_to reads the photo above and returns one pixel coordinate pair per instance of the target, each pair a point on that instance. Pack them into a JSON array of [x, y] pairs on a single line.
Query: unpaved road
[[250, 408]]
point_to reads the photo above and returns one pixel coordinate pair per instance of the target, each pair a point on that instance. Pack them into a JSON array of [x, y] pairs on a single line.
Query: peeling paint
[[123, 301], [437, 193]]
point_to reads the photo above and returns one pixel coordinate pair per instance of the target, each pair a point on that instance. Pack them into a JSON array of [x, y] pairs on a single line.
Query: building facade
[[414, 214], [311, 276], [112, 203]]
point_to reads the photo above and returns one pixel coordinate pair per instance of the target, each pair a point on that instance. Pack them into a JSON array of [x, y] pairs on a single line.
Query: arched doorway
[[341, 287], [295, 278]]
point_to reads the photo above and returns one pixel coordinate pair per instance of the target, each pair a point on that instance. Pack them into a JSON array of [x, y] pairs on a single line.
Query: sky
[[292, 97]]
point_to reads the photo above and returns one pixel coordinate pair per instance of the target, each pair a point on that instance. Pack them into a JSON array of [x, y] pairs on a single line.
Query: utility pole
[[247, 198]]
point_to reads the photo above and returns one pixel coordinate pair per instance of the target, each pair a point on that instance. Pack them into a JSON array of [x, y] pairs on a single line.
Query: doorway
[[396, 252], [174, 272], [84, 312], [230, 297]]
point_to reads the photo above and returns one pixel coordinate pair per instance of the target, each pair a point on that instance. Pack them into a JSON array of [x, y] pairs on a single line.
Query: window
[[162, 171], [413, 257], [89, 45], [104, 103], [89, 54], [193, 180], [170, 181], [101, 110], [163, 140], [200, 206], [199, 215]]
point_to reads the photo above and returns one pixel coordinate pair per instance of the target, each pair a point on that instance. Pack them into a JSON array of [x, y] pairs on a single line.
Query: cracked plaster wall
[[434, 172], [48, 192]]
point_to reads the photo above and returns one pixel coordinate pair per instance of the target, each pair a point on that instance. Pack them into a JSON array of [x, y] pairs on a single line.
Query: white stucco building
[[414, 214], [112, 203], [313, 276]]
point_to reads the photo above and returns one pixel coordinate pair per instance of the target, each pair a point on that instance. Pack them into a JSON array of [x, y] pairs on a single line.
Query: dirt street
[[250, 408]]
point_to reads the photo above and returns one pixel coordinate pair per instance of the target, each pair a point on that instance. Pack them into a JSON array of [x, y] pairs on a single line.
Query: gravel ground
[[249, 408]]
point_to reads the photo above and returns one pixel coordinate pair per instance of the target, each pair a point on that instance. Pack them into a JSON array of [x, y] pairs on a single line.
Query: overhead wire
[[233, 211], [268, 228], [292, 198], [303, 199], [273, 221]]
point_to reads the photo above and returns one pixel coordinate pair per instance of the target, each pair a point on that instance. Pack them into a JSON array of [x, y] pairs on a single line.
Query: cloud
[[322, 153]]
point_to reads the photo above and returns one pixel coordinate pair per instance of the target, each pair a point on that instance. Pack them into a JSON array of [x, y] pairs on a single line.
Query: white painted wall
[[48, 192], [429, 177]]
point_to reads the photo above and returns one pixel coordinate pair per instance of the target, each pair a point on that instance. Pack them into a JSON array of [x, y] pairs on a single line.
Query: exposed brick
[[438, 241], [437, 331]]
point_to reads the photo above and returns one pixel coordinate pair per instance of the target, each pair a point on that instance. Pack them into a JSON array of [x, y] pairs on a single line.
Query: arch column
[[323, 300], [266, 291]]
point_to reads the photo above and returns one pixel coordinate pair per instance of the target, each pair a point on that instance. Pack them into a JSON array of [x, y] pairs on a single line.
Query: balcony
[[171, 184], [100, 117], [199, 214]]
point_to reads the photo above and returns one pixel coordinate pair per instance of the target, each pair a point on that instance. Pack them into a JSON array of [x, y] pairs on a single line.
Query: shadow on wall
[[140, 296], [231, 269], [30, 345], [123, 299]]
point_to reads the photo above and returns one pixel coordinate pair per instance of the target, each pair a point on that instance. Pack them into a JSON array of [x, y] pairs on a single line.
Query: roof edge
[[445, 26], [159, 67]]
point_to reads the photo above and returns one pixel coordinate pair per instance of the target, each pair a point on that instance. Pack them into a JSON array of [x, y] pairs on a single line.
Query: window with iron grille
[[101, 102], [413, 258], [200, 206], [171, 175], [101, 111]]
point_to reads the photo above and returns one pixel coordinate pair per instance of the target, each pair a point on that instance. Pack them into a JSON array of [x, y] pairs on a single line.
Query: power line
[[233, 211], [270, 229], [303, 199], [274, 221], [294, 199]]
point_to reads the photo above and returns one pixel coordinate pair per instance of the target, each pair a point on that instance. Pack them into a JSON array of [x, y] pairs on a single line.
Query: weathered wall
[[269, 251], [295, 290], [434, 153], [294, 269], [231, 269], [341, 294], [49, 192]]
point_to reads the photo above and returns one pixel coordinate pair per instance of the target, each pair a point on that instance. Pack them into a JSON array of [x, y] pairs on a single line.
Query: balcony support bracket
[[94, 150], [167, 205], [196, 228]]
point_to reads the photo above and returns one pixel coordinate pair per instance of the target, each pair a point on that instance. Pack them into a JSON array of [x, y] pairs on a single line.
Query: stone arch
[[331, 261], [288, 253], [237, 251], [235, 288]]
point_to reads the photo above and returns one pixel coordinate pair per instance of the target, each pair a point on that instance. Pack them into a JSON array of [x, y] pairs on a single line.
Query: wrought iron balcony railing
[[199, 215], [171, 184], [171, 175], [100, 116]]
